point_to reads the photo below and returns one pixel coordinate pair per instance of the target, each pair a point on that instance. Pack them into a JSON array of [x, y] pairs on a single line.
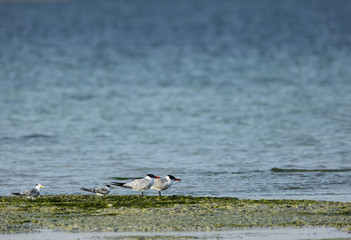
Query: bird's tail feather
[[16, 193], [119, 184]]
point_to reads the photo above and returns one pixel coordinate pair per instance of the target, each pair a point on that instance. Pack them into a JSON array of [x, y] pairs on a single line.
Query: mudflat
[[166, 213]]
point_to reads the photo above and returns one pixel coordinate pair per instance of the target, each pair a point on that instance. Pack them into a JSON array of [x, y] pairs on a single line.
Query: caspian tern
[[141, 184], [103, 191], [32, 192], [164, 183]]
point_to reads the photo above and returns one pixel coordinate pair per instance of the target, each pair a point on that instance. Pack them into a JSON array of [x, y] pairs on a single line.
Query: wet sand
[[161, 215]]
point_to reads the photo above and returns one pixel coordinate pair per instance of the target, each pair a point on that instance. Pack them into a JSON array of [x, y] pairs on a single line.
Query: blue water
[[217, 93]]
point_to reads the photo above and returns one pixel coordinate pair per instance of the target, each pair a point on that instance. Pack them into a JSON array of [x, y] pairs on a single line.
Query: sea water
[[247, 99]]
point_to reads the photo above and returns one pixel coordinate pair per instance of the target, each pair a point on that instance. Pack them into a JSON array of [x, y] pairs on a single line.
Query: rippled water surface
[[236, 98]]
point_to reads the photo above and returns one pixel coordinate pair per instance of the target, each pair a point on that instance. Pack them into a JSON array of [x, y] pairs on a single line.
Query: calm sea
[[247, 99]]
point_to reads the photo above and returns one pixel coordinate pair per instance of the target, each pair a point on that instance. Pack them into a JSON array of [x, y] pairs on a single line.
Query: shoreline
[[133, 213]]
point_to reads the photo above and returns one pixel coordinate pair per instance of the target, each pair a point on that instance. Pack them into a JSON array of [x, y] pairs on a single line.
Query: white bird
[[141, 184], [164, 183], [32, 192], [103, 191]]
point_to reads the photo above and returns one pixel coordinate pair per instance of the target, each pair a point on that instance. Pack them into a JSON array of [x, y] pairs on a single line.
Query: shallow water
[[248, 233], [219, 95]]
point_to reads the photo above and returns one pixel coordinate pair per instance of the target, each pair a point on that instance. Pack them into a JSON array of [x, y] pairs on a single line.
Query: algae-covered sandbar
[[152, 213]]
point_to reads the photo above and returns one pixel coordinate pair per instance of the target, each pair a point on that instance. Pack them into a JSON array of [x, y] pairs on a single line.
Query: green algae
[[153, 213]]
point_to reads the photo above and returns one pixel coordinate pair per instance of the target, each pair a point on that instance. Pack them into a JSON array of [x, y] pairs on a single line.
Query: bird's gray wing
[[139, 184], [160, 184], [101, 190], [30, 192]]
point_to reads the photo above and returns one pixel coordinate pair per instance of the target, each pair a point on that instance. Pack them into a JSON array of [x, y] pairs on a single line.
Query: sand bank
[[176, 213]]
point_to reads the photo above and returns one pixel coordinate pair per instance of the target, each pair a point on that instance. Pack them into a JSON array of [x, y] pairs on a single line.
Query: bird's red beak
[[157, 177], [177, 179]]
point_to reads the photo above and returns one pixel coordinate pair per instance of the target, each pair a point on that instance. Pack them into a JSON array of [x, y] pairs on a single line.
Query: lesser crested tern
[[32, 192]]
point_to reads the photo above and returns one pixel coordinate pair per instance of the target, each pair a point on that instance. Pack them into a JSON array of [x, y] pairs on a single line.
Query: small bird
[[141, 184], [164, 183], [32, 192], [103, 191]]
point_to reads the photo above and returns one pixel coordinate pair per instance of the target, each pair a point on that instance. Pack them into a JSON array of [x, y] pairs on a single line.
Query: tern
[[32, 192], [141, 184], [103, 191], [164, 183]]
